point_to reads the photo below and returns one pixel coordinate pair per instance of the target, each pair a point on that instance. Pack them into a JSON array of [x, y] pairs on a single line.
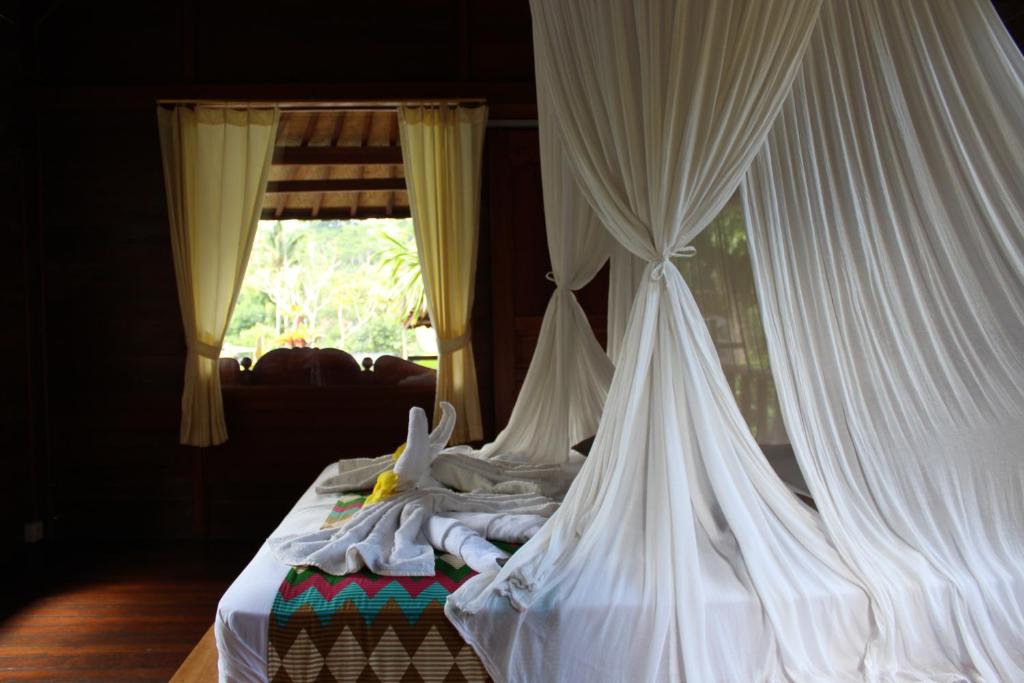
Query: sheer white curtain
[[624, 272], [886, 218], [722, 281], [564, 391], [720, 276], [676, 541]]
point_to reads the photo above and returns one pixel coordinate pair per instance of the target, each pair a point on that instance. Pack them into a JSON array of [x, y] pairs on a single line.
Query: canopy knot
[[550, 277], [661, 264]]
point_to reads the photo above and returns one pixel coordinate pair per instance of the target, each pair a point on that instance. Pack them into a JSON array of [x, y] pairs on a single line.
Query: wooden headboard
[[291, 414], [311, 367]]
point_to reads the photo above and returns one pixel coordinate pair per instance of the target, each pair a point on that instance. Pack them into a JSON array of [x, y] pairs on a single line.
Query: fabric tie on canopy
[[658, 271]]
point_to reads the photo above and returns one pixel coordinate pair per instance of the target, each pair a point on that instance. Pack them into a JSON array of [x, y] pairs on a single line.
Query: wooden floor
[[121, 618]]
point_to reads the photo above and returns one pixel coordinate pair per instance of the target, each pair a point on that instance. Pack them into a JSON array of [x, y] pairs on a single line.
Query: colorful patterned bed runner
[[364, 627]]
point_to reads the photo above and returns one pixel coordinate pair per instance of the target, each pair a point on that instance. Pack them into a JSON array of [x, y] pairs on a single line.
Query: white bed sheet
[[243, 614]]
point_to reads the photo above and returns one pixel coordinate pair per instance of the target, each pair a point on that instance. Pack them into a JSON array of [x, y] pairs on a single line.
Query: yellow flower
[[385, 487], [398, 452], [387, 482]]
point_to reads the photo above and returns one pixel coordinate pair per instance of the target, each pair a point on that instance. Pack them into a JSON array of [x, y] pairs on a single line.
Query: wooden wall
[[20, 376], [92, 340], [114, 348]]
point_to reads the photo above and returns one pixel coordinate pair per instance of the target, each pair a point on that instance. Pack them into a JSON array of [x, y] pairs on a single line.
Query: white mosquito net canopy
[[879, 151]]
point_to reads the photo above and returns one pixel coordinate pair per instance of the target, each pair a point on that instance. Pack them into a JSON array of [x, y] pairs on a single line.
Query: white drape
[[886, 219], [216, 163], [677, 540], [564, 391], [625, 270], [722, 281], [720, 277]]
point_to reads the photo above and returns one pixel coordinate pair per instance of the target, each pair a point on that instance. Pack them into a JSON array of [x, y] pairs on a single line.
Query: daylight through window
[[353, 285]]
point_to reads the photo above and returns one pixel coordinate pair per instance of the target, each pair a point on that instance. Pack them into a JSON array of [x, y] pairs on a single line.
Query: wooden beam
[[307, 133], [364, 140], [390, 207], [506, 99], [339, 124], [393, 135], [340, 213], [337, 156], [336, 185]]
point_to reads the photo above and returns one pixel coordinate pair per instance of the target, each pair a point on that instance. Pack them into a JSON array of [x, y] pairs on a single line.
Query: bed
[[282, 624], [291, 413]]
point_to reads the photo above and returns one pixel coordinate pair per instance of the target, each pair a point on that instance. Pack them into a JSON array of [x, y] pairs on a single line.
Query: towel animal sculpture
[[461, 469], [409, 515]]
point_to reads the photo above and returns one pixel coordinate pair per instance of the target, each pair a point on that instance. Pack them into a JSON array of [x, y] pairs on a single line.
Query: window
[[354, 285], [334, 262]]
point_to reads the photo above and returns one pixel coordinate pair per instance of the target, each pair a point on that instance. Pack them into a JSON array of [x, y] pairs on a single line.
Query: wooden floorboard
[[124, 614], [201, 664]]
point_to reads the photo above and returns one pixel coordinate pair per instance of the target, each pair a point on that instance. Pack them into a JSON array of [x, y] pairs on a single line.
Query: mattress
[[280, 623], [244, 631]]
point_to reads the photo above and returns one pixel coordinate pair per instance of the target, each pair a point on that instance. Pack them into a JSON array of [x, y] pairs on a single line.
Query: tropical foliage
[[353, 285]]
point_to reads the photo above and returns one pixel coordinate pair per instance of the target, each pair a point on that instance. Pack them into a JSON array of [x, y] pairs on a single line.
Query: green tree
[[345, 284]]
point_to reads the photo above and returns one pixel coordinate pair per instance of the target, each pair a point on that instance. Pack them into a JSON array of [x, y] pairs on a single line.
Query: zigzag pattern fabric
[[367, 627]]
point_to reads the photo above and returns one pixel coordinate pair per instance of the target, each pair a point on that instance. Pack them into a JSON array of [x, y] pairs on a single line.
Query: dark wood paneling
[[107, 42], [115, 342], [14, 340], [87, 291], [22, 372], [1012, 14], [115, 346], [500, 37], [313, 40], [282, 437], [334, 156]]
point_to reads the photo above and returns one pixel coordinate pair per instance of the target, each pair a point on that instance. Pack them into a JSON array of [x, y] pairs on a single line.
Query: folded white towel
[[396, 537], [412, 514], [461, 541], [502, 526], [460, 469]]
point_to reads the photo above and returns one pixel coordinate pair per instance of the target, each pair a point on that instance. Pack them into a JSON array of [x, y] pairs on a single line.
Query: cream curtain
[[886, 217], [676, 540], [562, 397], [216, 163], [442, 148]]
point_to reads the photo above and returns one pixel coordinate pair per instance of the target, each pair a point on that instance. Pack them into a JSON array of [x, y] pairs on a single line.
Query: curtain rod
[[512, 123], [319, 105]]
